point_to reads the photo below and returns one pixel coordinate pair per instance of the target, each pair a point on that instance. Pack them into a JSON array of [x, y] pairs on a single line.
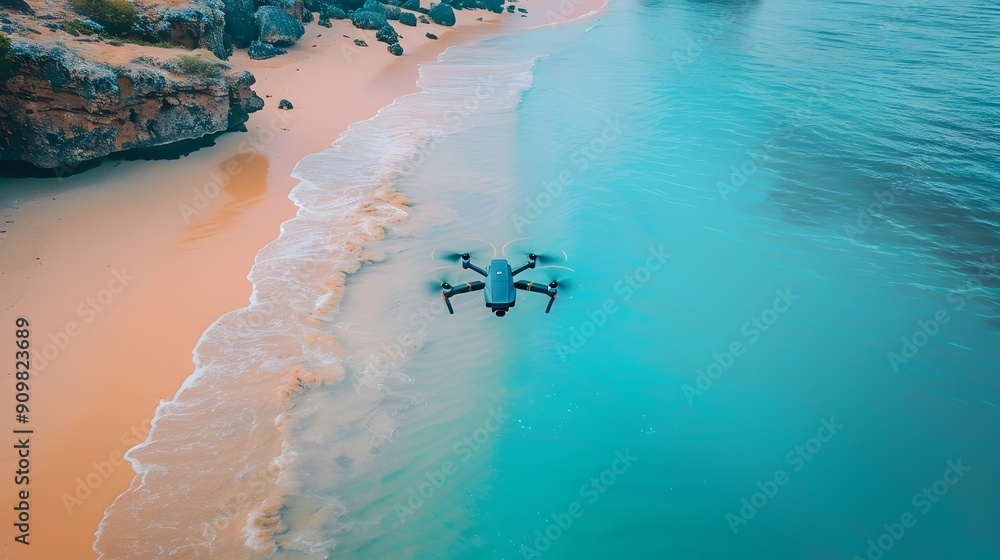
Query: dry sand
[[120, 269]]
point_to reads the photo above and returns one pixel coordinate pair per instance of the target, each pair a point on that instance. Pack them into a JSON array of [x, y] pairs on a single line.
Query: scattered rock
[[332, 12], [263, 51], [495, 6], [423, 19], [432, 36], [407, 18], [285, 105], [522, 10], [360, 43], [368, 20], [92, 25], [442, 14], [387, 35], [396, 49], [392, 13], [276, 27], [510, 9], [325, 22]]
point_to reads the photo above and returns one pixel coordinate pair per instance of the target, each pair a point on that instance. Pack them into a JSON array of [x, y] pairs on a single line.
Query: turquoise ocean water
[[781, 335]]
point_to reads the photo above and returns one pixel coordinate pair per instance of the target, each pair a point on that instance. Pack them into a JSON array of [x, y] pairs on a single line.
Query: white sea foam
[[217, 469]]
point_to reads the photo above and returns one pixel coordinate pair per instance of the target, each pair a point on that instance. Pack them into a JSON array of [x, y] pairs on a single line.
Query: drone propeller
[[442, 278], [547, 257], [557, 275], [478, 249], [450, 256]]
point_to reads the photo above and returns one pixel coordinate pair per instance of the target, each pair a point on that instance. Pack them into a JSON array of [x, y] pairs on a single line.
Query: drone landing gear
[[447, 291], [550, 290]]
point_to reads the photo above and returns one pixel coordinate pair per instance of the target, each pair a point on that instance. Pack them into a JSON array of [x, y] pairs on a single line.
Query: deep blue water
[[829, 170], [778, 330]]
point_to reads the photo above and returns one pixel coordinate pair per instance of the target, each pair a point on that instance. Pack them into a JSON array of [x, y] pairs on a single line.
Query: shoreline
[[173, 255]]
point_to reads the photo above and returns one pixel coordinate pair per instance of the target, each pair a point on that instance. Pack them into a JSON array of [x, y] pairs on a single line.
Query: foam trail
[[215, 473]]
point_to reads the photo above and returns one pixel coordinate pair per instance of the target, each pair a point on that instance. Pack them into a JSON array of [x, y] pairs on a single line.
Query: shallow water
[[780, 328]]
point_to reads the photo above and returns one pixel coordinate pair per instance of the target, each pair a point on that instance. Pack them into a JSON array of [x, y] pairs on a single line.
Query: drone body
[[499, 289]]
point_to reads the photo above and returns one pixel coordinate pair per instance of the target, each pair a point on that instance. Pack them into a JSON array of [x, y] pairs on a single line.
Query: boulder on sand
[[276, 27], [363, 19], [442, 14], [263, 51]]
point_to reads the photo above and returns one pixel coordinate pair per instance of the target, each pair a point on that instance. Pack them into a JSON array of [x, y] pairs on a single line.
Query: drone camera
[[501, 312]]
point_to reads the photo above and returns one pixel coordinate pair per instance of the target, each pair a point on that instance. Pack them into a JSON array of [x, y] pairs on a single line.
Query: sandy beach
[[120, 269]]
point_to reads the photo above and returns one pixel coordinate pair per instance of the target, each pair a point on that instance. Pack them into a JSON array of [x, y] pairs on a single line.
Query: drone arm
[[549, 290], [534, 287], [446, 293], [466, 263], [530, 264], [464, 288]]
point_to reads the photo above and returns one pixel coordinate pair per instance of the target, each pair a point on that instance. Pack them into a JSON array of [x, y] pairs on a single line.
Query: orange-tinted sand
[[122, 268]]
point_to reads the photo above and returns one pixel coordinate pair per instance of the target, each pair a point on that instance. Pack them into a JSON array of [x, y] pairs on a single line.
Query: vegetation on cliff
[[117, 16], [195, 66], [7, 62]]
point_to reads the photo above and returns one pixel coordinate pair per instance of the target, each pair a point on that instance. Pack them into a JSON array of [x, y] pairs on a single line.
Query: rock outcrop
[[240, 24], [277, 27], [62, 108], [442, 14], [368, 20], [263, 51], [77, 86], [198, 24]]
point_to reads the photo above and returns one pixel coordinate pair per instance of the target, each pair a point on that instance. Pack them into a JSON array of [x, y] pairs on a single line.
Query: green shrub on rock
[[7, 62], [195, 66], [117, 16]]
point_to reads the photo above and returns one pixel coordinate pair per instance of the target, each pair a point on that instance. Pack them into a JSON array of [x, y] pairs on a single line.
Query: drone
[[499, 289]]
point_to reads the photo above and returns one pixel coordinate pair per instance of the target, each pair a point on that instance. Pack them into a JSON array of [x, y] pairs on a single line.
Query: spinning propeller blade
[[559, 274], [476, 249], [547, 257]]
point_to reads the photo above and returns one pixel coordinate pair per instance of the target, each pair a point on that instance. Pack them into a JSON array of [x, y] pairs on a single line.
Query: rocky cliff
[[62, 107], [80, 79]]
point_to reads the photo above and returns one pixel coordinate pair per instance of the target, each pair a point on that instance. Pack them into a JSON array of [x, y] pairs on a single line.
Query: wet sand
[[120, 269]]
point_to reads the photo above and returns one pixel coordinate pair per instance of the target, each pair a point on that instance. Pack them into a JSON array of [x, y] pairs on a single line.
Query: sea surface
[[776, 228]]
